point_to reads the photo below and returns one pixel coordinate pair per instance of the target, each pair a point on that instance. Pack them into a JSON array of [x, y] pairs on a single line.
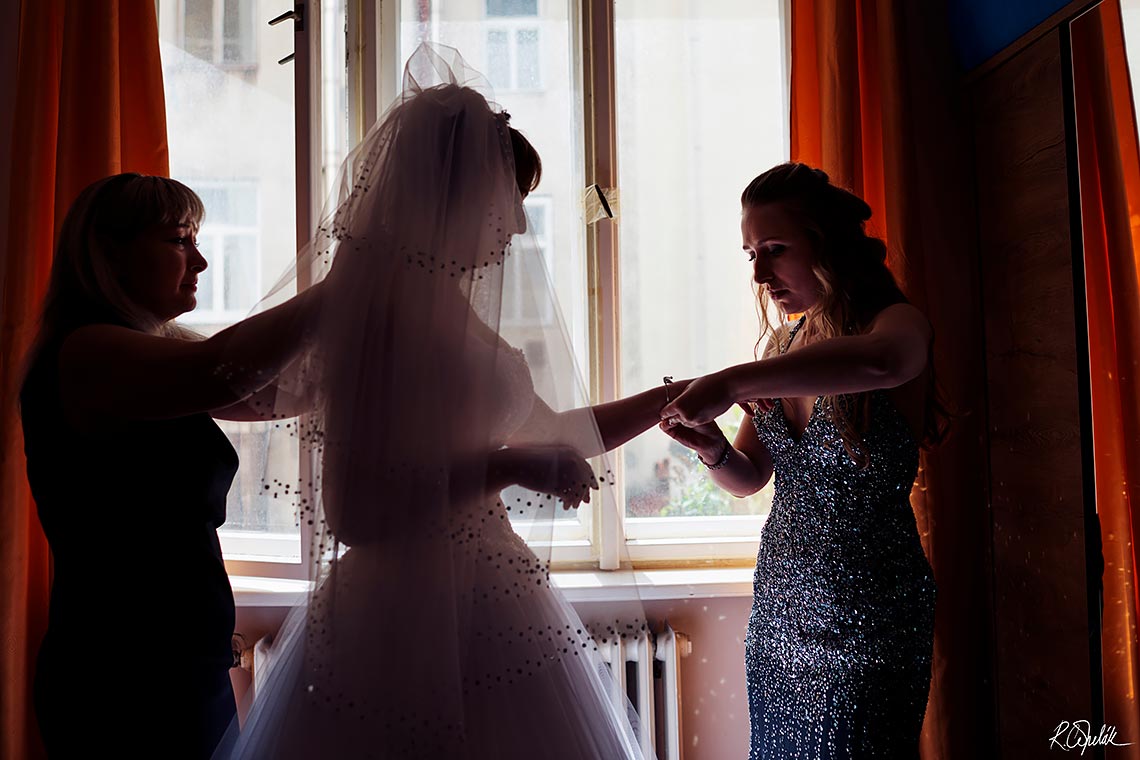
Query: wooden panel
[[1036, 487]]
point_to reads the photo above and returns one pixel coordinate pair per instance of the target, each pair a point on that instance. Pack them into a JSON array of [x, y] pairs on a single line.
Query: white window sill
[[578, 586]]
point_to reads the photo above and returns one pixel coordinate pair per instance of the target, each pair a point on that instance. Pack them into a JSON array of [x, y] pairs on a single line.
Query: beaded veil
[[433, 629]]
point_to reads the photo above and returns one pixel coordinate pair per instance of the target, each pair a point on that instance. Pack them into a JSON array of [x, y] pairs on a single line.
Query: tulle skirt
[[430, 649]]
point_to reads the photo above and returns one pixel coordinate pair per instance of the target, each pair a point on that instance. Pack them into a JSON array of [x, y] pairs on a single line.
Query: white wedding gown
[[433, 630], [533, 684]]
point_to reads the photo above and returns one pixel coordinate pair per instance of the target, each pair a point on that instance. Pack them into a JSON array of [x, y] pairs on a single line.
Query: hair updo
[[836, 220], [850, 265], [528, 166]]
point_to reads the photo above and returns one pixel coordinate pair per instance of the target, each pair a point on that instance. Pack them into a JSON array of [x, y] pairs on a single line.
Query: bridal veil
[[432, 628]]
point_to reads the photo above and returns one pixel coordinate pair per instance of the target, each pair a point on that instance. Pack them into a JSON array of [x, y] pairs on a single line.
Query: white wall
[[715, 700]]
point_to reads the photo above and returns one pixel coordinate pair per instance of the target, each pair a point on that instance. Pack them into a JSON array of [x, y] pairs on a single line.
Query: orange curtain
[[1108, 159], [836, 98], [89, 103], [874, 103]]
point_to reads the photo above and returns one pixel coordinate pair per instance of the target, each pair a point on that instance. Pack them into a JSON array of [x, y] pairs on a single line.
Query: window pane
[[206, 281], [243, 286], [237, 23], [536, 216], [498, 59], [231, 139], [713, 73], [512, 7], [548, 118], [526, 60], [214, 199], [334, 92], [198, 23]]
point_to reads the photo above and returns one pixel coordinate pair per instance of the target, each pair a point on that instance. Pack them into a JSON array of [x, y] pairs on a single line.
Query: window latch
[[298, 17]]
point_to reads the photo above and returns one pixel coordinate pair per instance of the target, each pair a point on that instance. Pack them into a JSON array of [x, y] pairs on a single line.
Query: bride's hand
[[707, 440], [559, 471]]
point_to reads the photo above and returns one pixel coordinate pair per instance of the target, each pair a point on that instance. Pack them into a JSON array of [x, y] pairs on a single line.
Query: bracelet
[[722, 461], [666, 380]]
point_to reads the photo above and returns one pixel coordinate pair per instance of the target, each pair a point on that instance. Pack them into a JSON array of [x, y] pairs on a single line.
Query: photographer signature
[[1079, 734]]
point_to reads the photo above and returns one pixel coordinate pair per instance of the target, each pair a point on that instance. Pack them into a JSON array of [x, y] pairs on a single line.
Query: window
[[686, 107], [512, 8], [516, 309], [513, 55], [220, 32], [699, 93], [698, 109], [230, 241], [232, 124]]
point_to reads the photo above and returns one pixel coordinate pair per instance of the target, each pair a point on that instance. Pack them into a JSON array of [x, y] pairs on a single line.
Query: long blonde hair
[[855, 285], [84, 288]]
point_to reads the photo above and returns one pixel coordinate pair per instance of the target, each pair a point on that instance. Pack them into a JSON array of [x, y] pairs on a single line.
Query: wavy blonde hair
[[855, 285]]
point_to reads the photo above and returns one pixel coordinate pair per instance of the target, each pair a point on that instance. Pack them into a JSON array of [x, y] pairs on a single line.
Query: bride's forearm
[[847, 364], [618, 421], [593, 430], [623, 420]]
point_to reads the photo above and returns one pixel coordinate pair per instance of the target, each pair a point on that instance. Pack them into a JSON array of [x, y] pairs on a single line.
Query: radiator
[[646, 670], [647, 673]]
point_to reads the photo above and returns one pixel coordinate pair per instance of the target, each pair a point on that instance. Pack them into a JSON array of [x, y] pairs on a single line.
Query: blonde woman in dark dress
[[839, 644], [130, 474]]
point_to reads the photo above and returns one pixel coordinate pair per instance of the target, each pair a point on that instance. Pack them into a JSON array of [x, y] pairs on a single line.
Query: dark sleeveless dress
[[839, 643], [136, 658]]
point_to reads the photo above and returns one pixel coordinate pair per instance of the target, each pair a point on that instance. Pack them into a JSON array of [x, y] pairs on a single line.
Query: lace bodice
[[514, 397]]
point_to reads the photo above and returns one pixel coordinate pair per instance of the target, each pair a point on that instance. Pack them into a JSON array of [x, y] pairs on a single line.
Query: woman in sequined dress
[[839, 643]]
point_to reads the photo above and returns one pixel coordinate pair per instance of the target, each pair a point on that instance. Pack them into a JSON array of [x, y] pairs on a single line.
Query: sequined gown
[[838, 650]]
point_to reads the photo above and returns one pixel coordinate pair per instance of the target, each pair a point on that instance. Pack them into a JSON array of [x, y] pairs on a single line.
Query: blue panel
[[983, 28]]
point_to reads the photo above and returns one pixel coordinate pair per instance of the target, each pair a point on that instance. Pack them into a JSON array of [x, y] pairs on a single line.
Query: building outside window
[[513, 55], [220, 31], [230, 241]]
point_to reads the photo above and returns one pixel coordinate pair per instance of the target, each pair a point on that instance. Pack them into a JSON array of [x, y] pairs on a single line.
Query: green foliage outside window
[[699, 496]]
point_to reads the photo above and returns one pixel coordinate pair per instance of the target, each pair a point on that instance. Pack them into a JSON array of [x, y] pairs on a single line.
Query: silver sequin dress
[[839, 643]]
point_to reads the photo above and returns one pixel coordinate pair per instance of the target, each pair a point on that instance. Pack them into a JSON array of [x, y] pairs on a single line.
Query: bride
[[434, 629]]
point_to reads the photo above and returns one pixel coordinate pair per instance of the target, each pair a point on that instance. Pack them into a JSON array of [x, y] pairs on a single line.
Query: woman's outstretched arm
[[114, 372], [270, 403], [892, 352]]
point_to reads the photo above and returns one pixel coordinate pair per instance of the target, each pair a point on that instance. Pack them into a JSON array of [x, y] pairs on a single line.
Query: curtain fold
[[875, 104], [1108, 159], [89, 103]]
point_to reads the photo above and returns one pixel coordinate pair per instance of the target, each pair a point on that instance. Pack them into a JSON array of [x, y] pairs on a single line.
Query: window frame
[[599, 539], [675, 541], [652, 541], [244, 547]]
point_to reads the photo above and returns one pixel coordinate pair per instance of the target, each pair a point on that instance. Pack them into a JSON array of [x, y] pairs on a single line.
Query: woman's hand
[[705, 399], [754, 406], [707, 440], [559, 471]]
